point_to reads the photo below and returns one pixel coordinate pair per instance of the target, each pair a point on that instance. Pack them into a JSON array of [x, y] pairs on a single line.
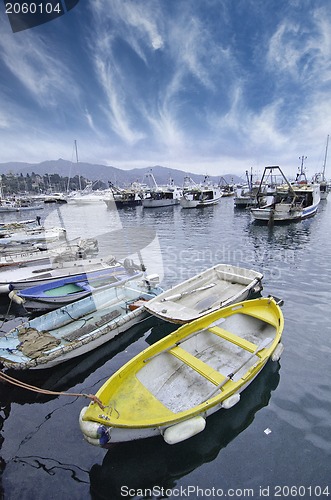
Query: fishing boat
[[199, 195], [287, 201], [129, 197], [75, 329], [216, 287], [161, 196], [246, 196], [63, 291], [170, 388]]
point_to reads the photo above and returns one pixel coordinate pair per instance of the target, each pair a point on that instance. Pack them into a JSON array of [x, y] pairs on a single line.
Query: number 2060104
[[301, 491], [33, 8]]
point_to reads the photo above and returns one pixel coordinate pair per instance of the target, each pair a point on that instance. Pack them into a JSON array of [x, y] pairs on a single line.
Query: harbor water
[[275, 443]]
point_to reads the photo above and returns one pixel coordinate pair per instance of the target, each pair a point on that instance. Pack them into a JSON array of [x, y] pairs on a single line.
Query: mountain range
[[105, 173]]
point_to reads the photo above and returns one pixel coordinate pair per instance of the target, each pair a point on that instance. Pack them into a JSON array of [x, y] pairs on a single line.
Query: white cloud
[[38, 68]]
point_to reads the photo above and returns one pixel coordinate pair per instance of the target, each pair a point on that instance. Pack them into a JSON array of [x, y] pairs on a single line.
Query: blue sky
[[208, 86]]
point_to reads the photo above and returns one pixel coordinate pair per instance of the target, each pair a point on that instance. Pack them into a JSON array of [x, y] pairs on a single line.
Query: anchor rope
[[23, 385]]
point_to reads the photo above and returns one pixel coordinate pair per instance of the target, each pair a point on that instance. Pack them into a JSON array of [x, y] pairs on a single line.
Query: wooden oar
[[179, 295], [263, 344]]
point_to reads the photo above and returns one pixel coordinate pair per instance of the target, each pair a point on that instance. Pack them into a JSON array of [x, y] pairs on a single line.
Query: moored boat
[[29, 254], [199, 195], [129, 197], [31, 275], [75, 329], [28, 235], [161, 196], [63, 291], [216, 287], [170, 388], [289, 202]]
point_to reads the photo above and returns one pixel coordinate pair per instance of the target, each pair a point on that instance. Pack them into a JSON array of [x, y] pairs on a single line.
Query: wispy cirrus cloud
[[39, 69]]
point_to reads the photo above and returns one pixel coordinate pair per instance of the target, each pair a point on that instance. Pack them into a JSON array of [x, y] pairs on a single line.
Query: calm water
[[276, 438]]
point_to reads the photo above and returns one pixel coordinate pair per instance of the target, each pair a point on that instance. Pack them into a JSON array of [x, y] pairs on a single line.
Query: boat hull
[[163, 202], [59, 293], [216, 287], [74, 330], [174, 385]]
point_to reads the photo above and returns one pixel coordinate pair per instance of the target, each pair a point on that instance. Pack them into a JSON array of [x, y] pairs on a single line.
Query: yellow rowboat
[[172, 386]]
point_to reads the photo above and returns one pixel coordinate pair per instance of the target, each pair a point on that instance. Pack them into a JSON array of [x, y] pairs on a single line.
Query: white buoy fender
[[90, 440], [231, 401], [15, 298], [6, 288], [184, 430], [277, 352], [88, 428]]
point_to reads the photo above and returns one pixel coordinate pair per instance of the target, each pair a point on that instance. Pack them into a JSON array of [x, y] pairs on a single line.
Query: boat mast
[[79, 179], [301, 175], [325, 157]]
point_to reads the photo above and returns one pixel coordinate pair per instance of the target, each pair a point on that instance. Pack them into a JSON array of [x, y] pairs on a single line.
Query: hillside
[[105, 173]]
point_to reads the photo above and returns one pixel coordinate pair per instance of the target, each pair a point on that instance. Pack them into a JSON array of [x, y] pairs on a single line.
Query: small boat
[[161, 196], [289, 201], [63, 291], [29, 235], [172, 386], [19, 254], [199, 195], [37, 274], [75, 329], [55, 198], [216, 287]]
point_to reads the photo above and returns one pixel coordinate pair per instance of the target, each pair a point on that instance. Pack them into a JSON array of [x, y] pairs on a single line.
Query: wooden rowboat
[[75, 329], [63, 291], [172, 386], [216, 287]]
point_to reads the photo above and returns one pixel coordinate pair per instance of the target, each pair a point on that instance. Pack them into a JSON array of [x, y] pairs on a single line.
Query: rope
[[33, 388], [7, 312]]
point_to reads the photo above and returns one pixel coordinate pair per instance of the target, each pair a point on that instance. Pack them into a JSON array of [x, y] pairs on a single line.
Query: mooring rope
[[7, 313], [23, 385]]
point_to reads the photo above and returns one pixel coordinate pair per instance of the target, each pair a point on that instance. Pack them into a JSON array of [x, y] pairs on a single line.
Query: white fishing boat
[[287, 202], [75, 329], [161, 196], [199, 195], [170, 388], [208, 291]]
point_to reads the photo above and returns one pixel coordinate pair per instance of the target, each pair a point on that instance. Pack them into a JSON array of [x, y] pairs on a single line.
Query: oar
[[263, 344], [179, 295]]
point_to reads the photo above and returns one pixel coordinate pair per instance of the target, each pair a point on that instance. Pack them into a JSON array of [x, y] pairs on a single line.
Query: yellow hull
[[201, 367]]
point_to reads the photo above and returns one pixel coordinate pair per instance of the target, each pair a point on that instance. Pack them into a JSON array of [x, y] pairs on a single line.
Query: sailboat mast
[[325, 157], [79, 179]]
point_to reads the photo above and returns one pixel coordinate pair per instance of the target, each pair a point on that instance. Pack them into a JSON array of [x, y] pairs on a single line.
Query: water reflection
[[71, 373], [151, 462]]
